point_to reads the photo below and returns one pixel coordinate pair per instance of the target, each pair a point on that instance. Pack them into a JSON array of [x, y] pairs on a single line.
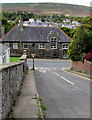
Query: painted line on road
[[67, 80], [77, 75], [64, 78], [56, 73]]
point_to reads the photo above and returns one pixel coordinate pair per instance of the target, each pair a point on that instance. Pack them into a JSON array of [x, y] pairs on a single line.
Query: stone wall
[[85, 67], [11, 76]]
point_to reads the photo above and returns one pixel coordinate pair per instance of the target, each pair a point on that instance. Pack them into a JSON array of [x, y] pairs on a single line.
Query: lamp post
[[33, 54]]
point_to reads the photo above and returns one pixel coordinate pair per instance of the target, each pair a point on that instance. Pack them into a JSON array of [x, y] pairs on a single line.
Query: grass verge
[[14, 59]]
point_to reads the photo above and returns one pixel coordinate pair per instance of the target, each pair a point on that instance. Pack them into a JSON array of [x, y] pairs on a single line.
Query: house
[[31, 20], [65, 25], [75, 23], [66, 21], [4, 54], [26, 23], [47, 42], [37, 22]]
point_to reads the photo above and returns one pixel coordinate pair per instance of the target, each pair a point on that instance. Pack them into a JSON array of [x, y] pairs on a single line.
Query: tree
[[43, 19], [9, 26], [68, 31], [17, 20], [79, 45], [4, 21]]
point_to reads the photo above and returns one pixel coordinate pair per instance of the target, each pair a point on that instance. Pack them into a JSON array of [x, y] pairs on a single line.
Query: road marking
[[43, 71], [67, 80], [64, 78], [56, 73], [78, 75]]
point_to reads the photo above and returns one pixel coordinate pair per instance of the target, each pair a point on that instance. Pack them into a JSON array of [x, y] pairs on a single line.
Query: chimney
[[2, 31], [21, 24]]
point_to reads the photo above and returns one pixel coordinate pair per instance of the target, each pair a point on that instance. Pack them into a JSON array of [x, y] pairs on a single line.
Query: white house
[[4, 54], [75, 23], [31, 20], [66, 21], [26, 23]]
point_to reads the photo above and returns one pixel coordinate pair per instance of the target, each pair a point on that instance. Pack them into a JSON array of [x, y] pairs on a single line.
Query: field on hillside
[[48, 8]]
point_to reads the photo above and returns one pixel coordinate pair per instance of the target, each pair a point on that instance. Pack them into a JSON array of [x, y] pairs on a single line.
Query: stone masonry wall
[[10, 81]]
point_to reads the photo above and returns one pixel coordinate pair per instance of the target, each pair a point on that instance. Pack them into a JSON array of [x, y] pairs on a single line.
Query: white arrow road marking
[[64, 78], [43, 71]]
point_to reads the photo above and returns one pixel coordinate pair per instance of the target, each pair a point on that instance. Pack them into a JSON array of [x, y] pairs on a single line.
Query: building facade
[[4, 54], [45, 42]]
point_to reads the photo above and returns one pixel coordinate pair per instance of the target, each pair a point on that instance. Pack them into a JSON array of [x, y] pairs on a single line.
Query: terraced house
[[45, 42]]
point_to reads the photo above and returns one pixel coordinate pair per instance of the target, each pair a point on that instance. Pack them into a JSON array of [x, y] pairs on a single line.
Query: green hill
[[48, 8]]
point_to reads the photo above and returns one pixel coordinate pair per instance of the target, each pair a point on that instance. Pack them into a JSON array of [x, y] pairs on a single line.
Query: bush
[[88, 56]]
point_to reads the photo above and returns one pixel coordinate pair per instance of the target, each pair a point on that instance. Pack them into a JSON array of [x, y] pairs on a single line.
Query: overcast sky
[[78, 2]]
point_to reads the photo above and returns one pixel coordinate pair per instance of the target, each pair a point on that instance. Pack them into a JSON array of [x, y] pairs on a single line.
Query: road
[[65, 95], [49, 63]]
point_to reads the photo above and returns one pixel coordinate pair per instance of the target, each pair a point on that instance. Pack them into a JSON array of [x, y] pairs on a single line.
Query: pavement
[[26, 106]]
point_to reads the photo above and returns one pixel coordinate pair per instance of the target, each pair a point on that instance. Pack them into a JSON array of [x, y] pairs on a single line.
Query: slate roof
[[3, 48], [33, 34]]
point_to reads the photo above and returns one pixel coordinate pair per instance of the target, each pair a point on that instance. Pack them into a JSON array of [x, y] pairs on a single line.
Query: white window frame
[[41, 45], [53, 40], [15, 45], [24, 46], [7, 44], [65, 46]]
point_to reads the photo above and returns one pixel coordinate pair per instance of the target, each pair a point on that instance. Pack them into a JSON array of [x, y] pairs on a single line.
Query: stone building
[[45, 42]]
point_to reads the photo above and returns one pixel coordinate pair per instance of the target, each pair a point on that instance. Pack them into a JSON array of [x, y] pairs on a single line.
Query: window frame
[[53, 41], [24, 45], [7, 44], [15, 44], [41, 46], [66, 46]]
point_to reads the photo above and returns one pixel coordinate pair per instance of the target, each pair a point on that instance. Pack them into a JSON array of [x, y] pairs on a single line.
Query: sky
[[78, 2]]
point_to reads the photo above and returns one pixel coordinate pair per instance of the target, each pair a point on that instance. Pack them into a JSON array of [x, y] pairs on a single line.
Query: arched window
[[53, 41]]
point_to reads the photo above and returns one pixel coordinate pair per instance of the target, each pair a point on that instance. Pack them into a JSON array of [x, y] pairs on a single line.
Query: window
[[41, 45], [15, 45], [53, 43], [7, 44], [65, 46], [25, 46]]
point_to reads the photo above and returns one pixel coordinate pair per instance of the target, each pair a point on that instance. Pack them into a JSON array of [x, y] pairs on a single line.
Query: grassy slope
[[14, 59], [48, 8]]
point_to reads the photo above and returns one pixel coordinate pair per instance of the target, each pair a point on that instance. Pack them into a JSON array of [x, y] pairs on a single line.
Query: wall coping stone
[[23, 57], [8, 65]]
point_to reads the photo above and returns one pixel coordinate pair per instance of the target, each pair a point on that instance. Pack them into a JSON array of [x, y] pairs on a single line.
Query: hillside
[[48, 8]]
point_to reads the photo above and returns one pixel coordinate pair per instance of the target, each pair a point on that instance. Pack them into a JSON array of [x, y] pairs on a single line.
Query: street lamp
[[33, 55]]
